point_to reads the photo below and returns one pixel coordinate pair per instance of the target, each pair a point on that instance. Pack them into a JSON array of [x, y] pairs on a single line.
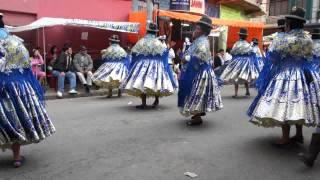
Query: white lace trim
[[149, 45], [115, 51]]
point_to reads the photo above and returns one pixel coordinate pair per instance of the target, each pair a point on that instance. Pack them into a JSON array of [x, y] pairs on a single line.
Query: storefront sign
[[180, 5], [213, 10], [197, 6]]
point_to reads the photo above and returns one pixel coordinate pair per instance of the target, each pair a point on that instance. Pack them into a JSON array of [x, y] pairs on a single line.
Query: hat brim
[[152, 30], [295, 17], [246, 34], [206, 24], [114, 40]]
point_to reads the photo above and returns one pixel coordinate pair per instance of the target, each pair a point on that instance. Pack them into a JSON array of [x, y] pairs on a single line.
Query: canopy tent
[[127, 27]]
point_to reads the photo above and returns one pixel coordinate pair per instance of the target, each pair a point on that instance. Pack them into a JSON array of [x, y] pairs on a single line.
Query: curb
[[53, 96]]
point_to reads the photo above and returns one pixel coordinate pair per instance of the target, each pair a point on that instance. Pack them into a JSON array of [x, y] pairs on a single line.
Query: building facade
[[276, 8], [23, 12]]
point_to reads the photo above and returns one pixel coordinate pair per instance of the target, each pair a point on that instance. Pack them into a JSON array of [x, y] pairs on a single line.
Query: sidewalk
[[51, 93]]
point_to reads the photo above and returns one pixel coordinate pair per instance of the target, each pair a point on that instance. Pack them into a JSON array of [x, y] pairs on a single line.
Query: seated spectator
[[83, 66], [53, 56], [227, 56], [37, 63], [63, 67]]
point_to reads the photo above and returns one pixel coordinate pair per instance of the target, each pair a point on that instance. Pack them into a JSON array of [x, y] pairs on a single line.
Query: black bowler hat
[[315, 33], [114, 38], [152, 27], [243, 31], [83, 48], [297, 13], [255, 41], [205, 20], [281, 22]]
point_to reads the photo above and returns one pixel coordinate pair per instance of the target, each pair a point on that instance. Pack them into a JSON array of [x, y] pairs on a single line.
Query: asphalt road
[[108, 139]]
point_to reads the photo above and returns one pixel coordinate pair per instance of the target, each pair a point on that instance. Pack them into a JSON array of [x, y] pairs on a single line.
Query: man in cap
[[83, 65]]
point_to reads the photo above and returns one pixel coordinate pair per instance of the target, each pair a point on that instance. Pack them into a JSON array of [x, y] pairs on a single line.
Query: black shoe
[[87, 88], [314, 149], [141, 106], [155, 104], [297, 139], [282, 145], [194, 122]]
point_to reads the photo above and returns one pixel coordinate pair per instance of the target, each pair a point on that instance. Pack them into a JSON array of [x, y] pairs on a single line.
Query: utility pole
[[135, 5], [149, 10]]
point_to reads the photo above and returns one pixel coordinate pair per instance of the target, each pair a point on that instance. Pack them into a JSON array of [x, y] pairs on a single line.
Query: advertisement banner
[[197, 6], [183, 5]]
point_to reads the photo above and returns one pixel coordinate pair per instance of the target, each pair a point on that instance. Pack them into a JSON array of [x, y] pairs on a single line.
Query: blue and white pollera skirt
[[23, 118], [242, 68], [291, 97], [203, 95], [110, 74], [149, 76]]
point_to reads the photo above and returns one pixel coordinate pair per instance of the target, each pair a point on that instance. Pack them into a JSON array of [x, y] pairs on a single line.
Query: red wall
[[115, 10], [233, 35], [25, 6], [22, 12]]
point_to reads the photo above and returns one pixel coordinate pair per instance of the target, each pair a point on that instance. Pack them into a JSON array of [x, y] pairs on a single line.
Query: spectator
[[172, 55], [83, 65], [186, 44], [227, 56], [53, 56], [37, 63], [63, 67], [218, 62]]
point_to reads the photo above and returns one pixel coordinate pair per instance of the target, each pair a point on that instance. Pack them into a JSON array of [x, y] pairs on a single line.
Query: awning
[[247, 6], [128, 27], [192, 17]]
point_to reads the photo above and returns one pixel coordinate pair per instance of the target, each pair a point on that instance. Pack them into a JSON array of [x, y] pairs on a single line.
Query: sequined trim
[[149, 45], [114, 51], [241, 47]]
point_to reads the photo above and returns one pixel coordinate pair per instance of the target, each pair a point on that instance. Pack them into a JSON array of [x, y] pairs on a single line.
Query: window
[[278, 7]]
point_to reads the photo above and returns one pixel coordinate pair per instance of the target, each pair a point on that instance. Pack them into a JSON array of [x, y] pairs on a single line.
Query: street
[[99, 138]]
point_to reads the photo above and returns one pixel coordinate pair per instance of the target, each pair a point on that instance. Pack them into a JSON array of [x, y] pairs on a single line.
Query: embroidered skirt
[[23, 117], [199, 90], [292, 96], [151, 76], [244, 68], [110, 74]]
